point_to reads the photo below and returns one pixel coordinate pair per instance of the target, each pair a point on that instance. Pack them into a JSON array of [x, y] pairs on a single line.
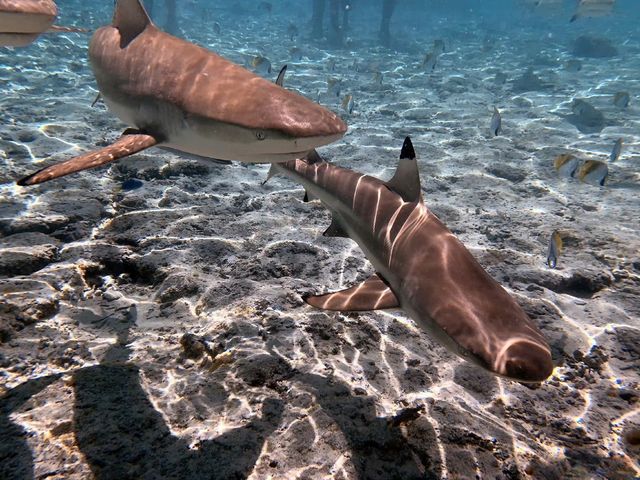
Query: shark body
[[23, 21], [422, 268], [178, 95]]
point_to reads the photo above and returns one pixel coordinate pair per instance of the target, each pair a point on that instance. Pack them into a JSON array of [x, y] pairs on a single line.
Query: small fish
[[555, 248], [347, 103], [333, 86], [496, 122], [261, 65], [430, 61], [621, 99], [280, 79], [566, 164], [292, 31], [573, 65], [265, 7], [377, 78], [594, 172], [296, 54], [216, 28], [331, 65], [592, 8], [438, 47], [617, 149], [131, 184]]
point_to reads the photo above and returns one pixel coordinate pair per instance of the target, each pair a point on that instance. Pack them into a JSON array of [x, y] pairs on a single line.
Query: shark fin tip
[[406, 180]]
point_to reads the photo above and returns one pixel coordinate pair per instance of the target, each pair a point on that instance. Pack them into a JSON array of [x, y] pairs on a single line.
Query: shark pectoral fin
[[126, 145], [58, 28], [335, 230], [313, 157], [372, 294], [272, 173], [406, 180], [130, 18]]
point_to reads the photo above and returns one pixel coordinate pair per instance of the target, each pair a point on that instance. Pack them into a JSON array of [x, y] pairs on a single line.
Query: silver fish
[[496, 122], [617, 149], [594, 172], [621, 99], [566, 164], [555, 247], [430, 61]]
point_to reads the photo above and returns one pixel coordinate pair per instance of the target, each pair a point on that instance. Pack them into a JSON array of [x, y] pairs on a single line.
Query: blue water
[[151, 314]]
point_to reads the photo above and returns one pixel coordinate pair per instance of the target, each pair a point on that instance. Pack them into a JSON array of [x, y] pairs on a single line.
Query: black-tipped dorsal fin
[[372, 294], [335, 230], [406, 181], [130, 18]]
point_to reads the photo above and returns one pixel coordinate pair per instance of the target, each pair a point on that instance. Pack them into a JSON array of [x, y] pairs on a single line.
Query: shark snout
[[525, 361]]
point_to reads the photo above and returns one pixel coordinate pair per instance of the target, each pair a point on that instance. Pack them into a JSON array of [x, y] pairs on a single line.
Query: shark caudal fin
[[126, 145], [406, 180], [372, 294], [130, 18]]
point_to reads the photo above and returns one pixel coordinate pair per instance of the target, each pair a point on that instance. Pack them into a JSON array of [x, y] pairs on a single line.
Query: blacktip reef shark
[[421, 268], [175, 94], [23, 21]]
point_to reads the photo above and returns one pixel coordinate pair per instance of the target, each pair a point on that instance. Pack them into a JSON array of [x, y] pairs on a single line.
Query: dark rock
[[529, 81], [25, 261], [513, 174], [593, 47], [175, 287], [24, 302], [260, 370]]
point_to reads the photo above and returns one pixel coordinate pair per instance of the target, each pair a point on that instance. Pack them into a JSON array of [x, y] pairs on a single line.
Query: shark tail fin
[[406, 181], [131, 142], [372, 294], [131, 19]]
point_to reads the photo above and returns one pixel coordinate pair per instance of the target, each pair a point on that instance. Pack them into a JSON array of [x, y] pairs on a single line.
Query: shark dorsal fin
[[335, 229], [372, 294], [131, 19], [406, 181]]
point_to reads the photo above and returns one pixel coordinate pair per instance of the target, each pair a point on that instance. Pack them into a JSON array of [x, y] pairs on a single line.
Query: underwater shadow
[[378, 446], [16, 460], [123, 436]]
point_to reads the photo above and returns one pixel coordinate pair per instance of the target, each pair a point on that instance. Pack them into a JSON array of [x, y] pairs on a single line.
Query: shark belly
[[206, 137]]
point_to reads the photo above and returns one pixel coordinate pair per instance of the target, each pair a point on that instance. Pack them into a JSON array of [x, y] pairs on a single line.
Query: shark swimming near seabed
[[23, 21], [422, 268], [173, 93]]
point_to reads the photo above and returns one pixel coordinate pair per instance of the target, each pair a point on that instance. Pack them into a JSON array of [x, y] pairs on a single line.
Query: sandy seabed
[[160, 332]]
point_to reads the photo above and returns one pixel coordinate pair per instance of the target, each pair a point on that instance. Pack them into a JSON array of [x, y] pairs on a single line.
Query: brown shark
[[179, 95], [421, 267], [592, 8], [22, 21]]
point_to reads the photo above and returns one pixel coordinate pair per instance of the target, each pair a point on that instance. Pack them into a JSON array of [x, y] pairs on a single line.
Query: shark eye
[[260, 135]]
